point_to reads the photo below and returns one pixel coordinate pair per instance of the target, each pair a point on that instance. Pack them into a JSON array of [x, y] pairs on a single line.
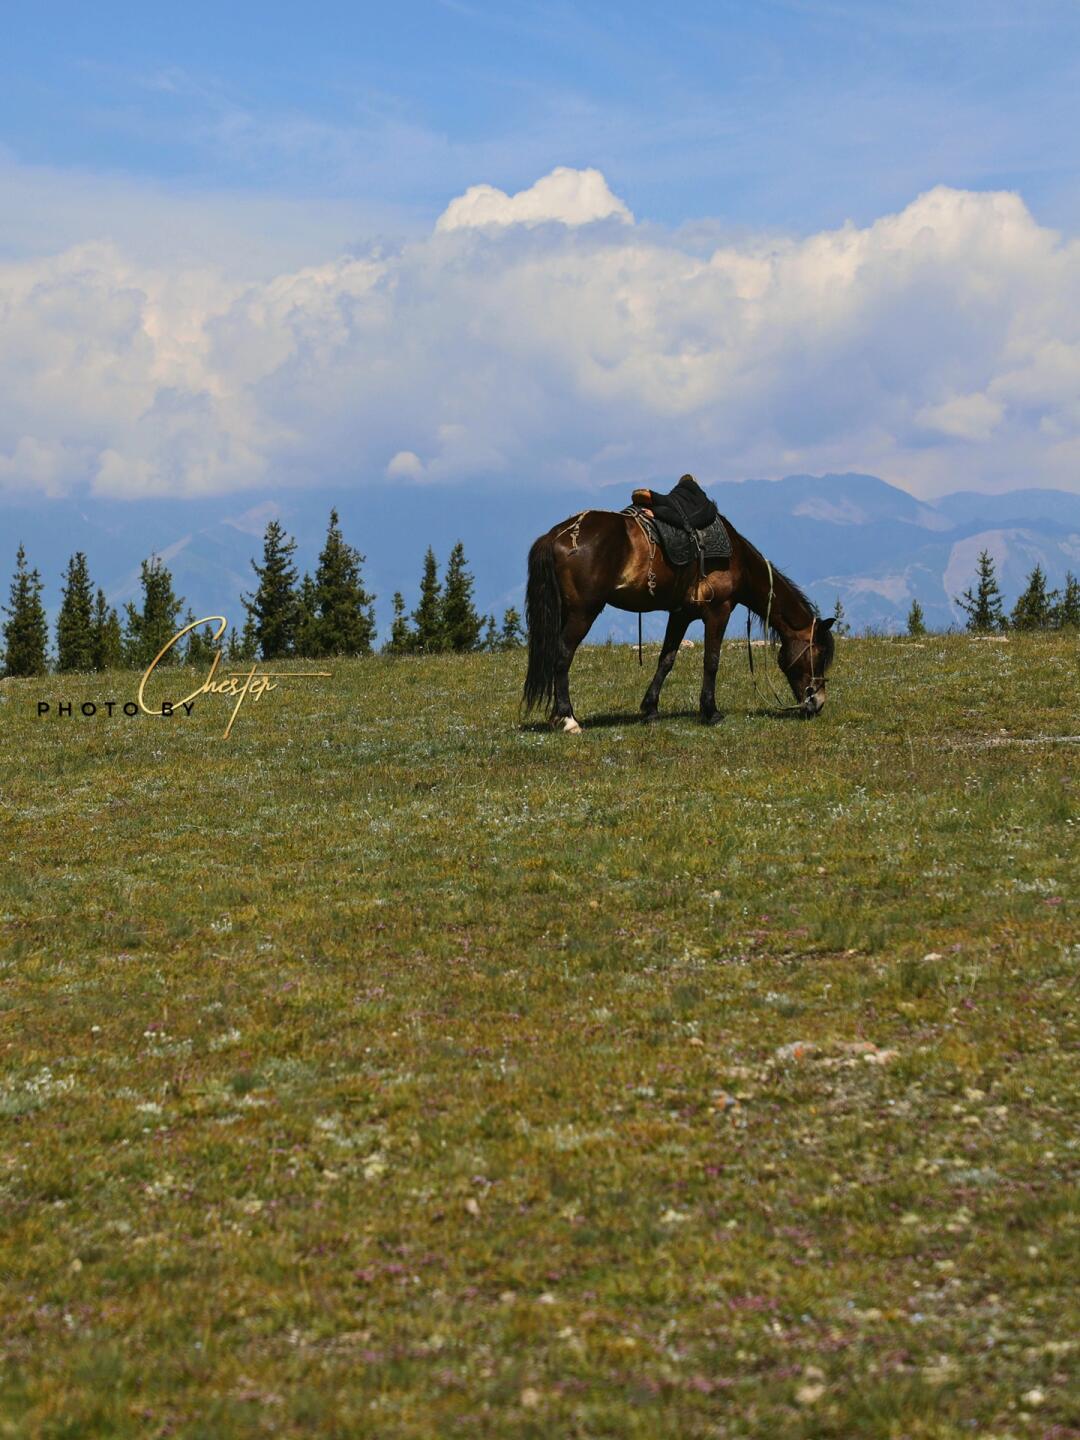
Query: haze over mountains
[[851, 535]]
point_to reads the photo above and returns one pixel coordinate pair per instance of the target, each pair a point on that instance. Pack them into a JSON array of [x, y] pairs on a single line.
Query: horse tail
[[543, 617]]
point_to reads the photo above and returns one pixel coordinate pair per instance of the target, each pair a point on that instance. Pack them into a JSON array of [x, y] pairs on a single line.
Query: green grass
[[393, 1070]]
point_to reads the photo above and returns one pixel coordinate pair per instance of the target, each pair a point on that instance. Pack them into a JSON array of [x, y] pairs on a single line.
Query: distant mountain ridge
[[848, 535]]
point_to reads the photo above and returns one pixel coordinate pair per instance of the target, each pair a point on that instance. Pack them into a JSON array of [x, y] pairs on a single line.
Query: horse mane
[[824, 637]]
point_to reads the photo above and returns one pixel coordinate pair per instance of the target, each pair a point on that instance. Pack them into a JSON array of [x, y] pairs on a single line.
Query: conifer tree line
[[330, 613], [1036, 608]]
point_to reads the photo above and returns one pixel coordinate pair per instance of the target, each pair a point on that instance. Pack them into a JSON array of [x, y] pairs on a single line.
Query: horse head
[[805, 656]]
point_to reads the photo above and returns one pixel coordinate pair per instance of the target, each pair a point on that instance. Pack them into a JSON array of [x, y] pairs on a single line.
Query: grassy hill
[[389, 1069]]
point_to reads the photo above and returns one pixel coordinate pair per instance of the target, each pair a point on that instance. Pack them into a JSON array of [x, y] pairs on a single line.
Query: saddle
[[687, 507], [685, 523]]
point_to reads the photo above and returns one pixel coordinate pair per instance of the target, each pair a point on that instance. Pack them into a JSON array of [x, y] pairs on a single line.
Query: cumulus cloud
[[967, 417], [939, 347], [571, 197], [405, 464]]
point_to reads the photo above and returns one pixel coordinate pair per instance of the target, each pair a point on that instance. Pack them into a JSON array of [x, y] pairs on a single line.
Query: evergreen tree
[[345, 622], [401, 637], [274, 604], [1067, 609], [75, 623], [490, 642], [243, 644], [428, 636], [306, 642], [840, 625], [916, 625], [512, 636], [982, 606], [26, 633], [108, 640], [460, 622], [147, 630], [199, 645], [1034, 609]]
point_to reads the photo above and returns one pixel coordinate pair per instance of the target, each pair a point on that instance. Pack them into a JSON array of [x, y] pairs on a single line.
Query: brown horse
[[602, 557]]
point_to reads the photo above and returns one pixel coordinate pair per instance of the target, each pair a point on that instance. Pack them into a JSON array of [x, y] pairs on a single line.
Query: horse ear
[[827, 624]]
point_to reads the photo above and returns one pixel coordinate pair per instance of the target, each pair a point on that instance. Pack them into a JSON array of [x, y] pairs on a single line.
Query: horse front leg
[[575, 628], [678, 620], [716, 619]]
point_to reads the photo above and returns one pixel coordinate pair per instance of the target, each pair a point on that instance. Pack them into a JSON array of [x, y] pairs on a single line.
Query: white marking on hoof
[[568, 725]]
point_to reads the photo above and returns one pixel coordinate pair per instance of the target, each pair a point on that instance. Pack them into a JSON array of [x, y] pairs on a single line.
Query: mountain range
[[851, 536]]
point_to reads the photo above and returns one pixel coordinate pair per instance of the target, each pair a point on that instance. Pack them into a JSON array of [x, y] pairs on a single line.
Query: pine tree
[[983, 606], [108, 640], [305, 641], [75, 623], [512, 636], [916, 625], [26, 633], [1034, 608], [345, 621], [460, 622], [243, 645], [274, 604], [490, 642], [1067, 609], [840, 625], [401, 637], [428, 636], [147, 630], [199, 644], [249, 641]]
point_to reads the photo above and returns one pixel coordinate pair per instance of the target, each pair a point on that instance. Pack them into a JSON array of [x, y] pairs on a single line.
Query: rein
[[798, 705]]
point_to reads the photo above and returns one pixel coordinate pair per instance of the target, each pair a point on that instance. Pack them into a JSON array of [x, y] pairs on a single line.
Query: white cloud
[[572, 197], [566, 354], [967, 417], [405, 465]]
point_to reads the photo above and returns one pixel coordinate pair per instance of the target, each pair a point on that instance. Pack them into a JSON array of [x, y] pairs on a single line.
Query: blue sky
[[246, 245], [777, 113]]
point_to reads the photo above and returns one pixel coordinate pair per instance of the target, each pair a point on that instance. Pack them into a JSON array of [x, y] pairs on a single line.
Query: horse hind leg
[[575, 628], [716, 619], [677, 623]]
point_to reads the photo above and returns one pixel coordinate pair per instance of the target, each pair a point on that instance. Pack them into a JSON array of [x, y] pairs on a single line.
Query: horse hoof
[[650, 717], [568, 725], [713, 719]]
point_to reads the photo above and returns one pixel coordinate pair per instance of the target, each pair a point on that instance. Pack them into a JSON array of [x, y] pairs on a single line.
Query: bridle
[[808, 646]]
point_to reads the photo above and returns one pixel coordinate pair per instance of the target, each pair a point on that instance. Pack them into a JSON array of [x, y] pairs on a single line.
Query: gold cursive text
[[255, 683]]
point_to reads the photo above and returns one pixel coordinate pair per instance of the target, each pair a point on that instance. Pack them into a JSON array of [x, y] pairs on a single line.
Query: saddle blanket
[[680, 546]]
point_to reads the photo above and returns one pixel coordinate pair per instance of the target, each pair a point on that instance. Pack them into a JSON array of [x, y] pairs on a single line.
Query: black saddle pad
[[682, 546], [687, 506]]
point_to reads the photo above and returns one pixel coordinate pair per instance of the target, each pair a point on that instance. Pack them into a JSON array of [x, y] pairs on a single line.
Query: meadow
[[393, 1069]]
